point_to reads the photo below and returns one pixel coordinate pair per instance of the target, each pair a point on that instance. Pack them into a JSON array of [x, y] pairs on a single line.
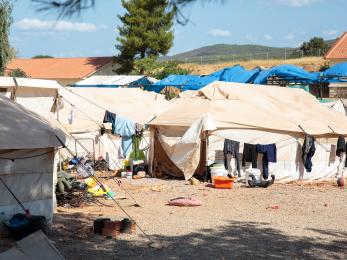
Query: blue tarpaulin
[[287, 72], [183, 82], [336, 73], [236, 74]]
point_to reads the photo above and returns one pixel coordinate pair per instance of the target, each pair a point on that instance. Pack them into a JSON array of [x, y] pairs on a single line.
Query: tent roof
[[286, 70], [184, 82], [23, 129], [236, 73], [338, 70], [117, 80], [240, 106], [8, 82], [133, 103]]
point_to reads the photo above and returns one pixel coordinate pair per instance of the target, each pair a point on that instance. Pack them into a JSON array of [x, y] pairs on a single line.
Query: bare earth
[[310, 223]]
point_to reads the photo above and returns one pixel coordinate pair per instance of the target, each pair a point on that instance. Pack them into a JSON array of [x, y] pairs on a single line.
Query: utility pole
[[267, 56], [285, 55]]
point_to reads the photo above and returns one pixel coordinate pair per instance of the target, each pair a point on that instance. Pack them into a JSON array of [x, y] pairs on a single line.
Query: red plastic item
[[221, 182]]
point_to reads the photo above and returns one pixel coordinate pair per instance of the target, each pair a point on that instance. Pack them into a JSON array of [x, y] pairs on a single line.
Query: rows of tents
[[288, 73], [181, 136]]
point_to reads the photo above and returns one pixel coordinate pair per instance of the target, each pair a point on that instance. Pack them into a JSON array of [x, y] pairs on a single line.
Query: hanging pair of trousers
[[232, 147], [269, 152]]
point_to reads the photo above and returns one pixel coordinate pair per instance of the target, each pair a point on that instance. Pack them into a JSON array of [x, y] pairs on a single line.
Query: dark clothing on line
[[269, 152], [308, 150], [232, 147], [341, 145], [249, 155]]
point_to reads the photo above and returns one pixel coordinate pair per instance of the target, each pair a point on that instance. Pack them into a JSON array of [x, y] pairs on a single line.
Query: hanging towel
[[123, 127], [269, 152], [249, 155], [232, 147], [308, 150], [340, 146]]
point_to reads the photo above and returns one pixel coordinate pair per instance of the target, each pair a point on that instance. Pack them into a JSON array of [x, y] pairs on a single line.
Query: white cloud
[[219, 32], [62, 25], [295, 3], [289, 37], [331, 32], [268, 37]]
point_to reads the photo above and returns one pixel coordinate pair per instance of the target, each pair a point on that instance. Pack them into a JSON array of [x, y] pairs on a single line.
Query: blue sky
[[276, 23]]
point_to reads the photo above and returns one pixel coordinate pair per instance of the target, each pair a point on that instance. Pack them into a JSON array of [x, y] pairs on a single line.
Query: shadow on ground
[[75, 240]]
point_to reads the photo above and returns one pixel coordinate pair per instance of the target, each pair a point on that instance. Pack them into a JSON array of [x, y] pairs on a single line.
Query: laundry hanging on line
[[341, 147], [269, 152], [123, 127], [232, 147], [308, 151], [249, 155]]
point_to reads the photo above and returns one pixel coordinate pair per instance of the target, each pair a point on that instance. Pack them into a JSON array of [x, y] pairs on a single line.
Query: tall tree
[[146, 32], [6, 52], [314, 47]]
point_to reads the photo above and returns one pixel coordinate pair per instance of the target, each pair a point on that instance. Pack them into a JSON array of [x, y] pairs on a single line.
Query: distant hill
[[229, 52]]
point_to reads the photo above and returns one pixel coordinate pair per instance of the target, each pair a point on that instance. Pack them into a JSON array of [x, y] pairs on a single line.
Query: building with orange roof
[[66, 71], [338, 51]]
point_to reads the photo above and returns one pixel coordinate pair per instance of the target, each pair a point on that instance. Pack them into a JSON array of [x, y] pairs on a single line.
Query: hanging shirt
[[269, 152], [123, 127], [308, 150], [232, 148], [340, 146], [249, 155]]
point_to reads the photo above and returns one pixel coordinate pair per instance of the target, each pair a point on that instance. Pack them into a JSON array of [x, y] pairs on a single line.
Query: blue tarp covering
[[334, 73], [183, 82], [236, 74], [287, 71]]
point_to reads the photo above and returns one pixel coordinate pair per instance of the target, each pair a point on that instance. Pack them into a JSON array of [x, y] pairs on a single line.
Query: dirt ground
[[310, 223]]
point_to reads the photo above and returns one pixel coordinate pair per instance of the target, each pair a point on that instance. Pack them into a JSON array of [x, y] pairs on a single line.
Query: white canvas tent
[[115, 80], [248, 114], [88, 106], [27, 151], [35, 94]]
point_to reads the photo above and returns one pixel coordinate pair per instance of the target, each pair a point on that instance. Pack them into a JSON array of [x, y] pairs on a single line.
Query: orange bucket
[[221, 182]]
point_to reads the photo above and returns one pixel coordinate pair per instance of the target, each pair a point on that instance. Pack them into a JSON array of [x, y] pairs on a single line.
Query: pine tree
[[6, 52], [146, 32]]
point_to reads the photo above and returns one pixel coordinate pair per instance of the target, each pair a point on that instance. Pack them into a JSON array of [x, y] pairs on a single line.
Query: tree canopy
[[68, 8], [314, 47], [146, 32], [6, 52], [42, 56]]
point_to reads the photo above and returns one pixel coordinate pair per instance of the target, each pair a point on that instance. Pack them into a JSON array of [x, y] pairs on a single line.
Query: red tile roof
[[339, 49], [59, 68]]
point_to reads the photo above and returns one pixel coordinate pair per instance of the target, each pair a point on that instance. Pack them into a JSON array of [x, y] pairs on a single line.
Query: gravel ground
[[310, 222]]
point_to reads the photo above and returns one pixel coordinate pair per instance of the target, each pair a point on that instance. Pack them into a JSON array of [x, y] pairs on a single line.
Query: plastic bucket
[[218, 171]]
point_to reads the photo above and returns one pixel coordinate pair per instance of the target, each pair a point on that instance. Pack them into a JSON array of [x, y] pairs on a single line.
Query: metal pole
[[285, 55], [267, 56]]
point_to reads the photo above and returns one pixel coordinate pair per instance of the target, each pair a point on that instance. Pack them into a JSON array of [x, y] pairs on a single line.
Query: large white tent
[[27, 151], [80, 111], [249, 114]]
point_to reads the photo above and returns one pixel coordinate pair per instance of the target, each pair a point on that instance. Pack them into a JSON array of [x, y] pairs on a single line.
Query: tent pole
[[206, 155], [59, 151]]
